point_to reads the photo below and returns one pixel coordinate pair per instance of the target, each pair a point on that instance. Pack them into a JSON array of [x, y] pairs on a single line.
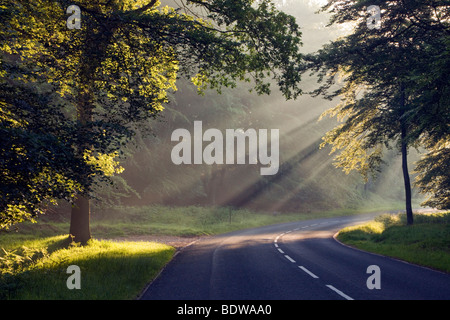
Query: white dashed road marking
[[339, 292], [308, 272], [289, 258]]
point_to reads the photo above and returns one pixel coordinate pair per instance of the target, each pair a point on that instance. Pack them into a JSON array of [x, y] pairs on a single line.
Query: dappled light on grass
[[109, 270], [427, 242]]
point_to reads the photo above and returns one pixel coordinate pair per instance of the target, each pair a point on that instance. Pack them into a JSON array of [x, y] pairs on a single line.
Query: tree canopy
[[94, 85], [388, 86]]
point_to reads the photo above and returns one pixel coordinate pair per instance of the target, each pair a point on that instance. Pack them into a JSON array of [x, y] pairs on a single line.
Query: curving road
[[292, 261]]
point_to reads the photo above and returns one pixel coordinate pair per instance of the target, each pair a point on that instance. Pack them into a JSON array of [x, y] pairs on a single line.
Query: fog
[[306, 179]]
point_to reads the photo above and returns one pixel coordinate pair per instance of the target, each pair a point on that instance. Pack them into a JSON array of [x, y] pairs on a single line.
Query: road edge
[[144, 290], [385, 256]]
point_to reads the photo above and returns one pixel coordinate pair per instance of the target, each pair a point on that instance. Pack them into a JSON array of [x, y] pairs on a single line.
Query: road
[[291, 261]]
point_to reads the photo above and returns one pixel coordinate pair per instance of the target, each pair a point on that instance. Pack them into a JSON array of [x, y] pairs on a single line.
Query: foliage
[[433, 168], [388, 81], [37, 164], [434, 176]]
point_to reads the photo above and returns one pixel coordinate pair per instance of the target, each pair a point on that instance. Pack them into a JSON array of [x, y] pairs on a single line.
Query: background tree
[[383, 96], [37, 166], [116, 70]]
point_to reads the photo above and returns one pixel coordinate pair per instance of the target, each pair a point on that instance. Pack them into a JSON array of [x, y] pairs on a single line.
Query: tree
[[433, 169], [382, 72], [116, 70]]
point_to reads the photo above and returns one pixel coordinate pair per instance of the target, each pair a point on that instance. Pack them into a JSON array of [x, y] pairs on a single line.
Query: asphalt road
[[292, 261]]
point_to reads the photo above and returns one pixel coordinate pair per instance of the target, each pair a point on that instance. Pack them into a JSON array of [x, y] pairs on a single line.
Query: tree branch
[[146, 7]]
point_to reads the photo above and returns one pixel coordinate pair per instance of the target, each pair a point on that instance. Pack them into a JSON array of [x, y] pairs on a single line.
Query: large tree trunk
[[80, 230], [80, 217], [95, 44]]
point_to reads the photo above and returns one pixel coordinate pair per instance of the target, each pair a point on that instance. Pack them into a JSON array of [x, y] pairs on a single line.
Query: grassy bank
[[426, 243], [37, 269]]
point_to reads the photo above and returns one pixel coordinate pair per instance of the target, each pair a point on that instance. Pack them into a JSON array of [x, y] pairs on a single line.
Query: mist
[[306, 180]]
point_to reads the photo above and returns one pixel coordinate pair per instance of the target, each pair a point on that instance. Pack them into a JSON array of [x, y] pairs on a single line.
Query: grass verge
[[37, 269], [426, 242]]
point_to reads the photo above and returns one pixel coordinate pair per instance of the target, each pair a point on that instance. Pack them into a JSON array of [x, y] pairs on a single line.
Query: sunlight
[[317, 3]]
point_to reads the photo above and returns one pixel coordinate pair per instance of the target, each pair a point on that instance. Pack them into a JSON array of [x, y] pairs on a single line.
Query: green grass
[[426, 242], [37, 269], [121, 222], [192, 220]]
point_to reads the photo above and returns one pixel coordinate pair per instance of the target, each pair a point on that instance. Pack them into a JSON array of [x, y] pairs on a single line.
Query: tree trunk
[[95, 47], [81, 213], [80, 230], [407, 181], [404, 151]]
